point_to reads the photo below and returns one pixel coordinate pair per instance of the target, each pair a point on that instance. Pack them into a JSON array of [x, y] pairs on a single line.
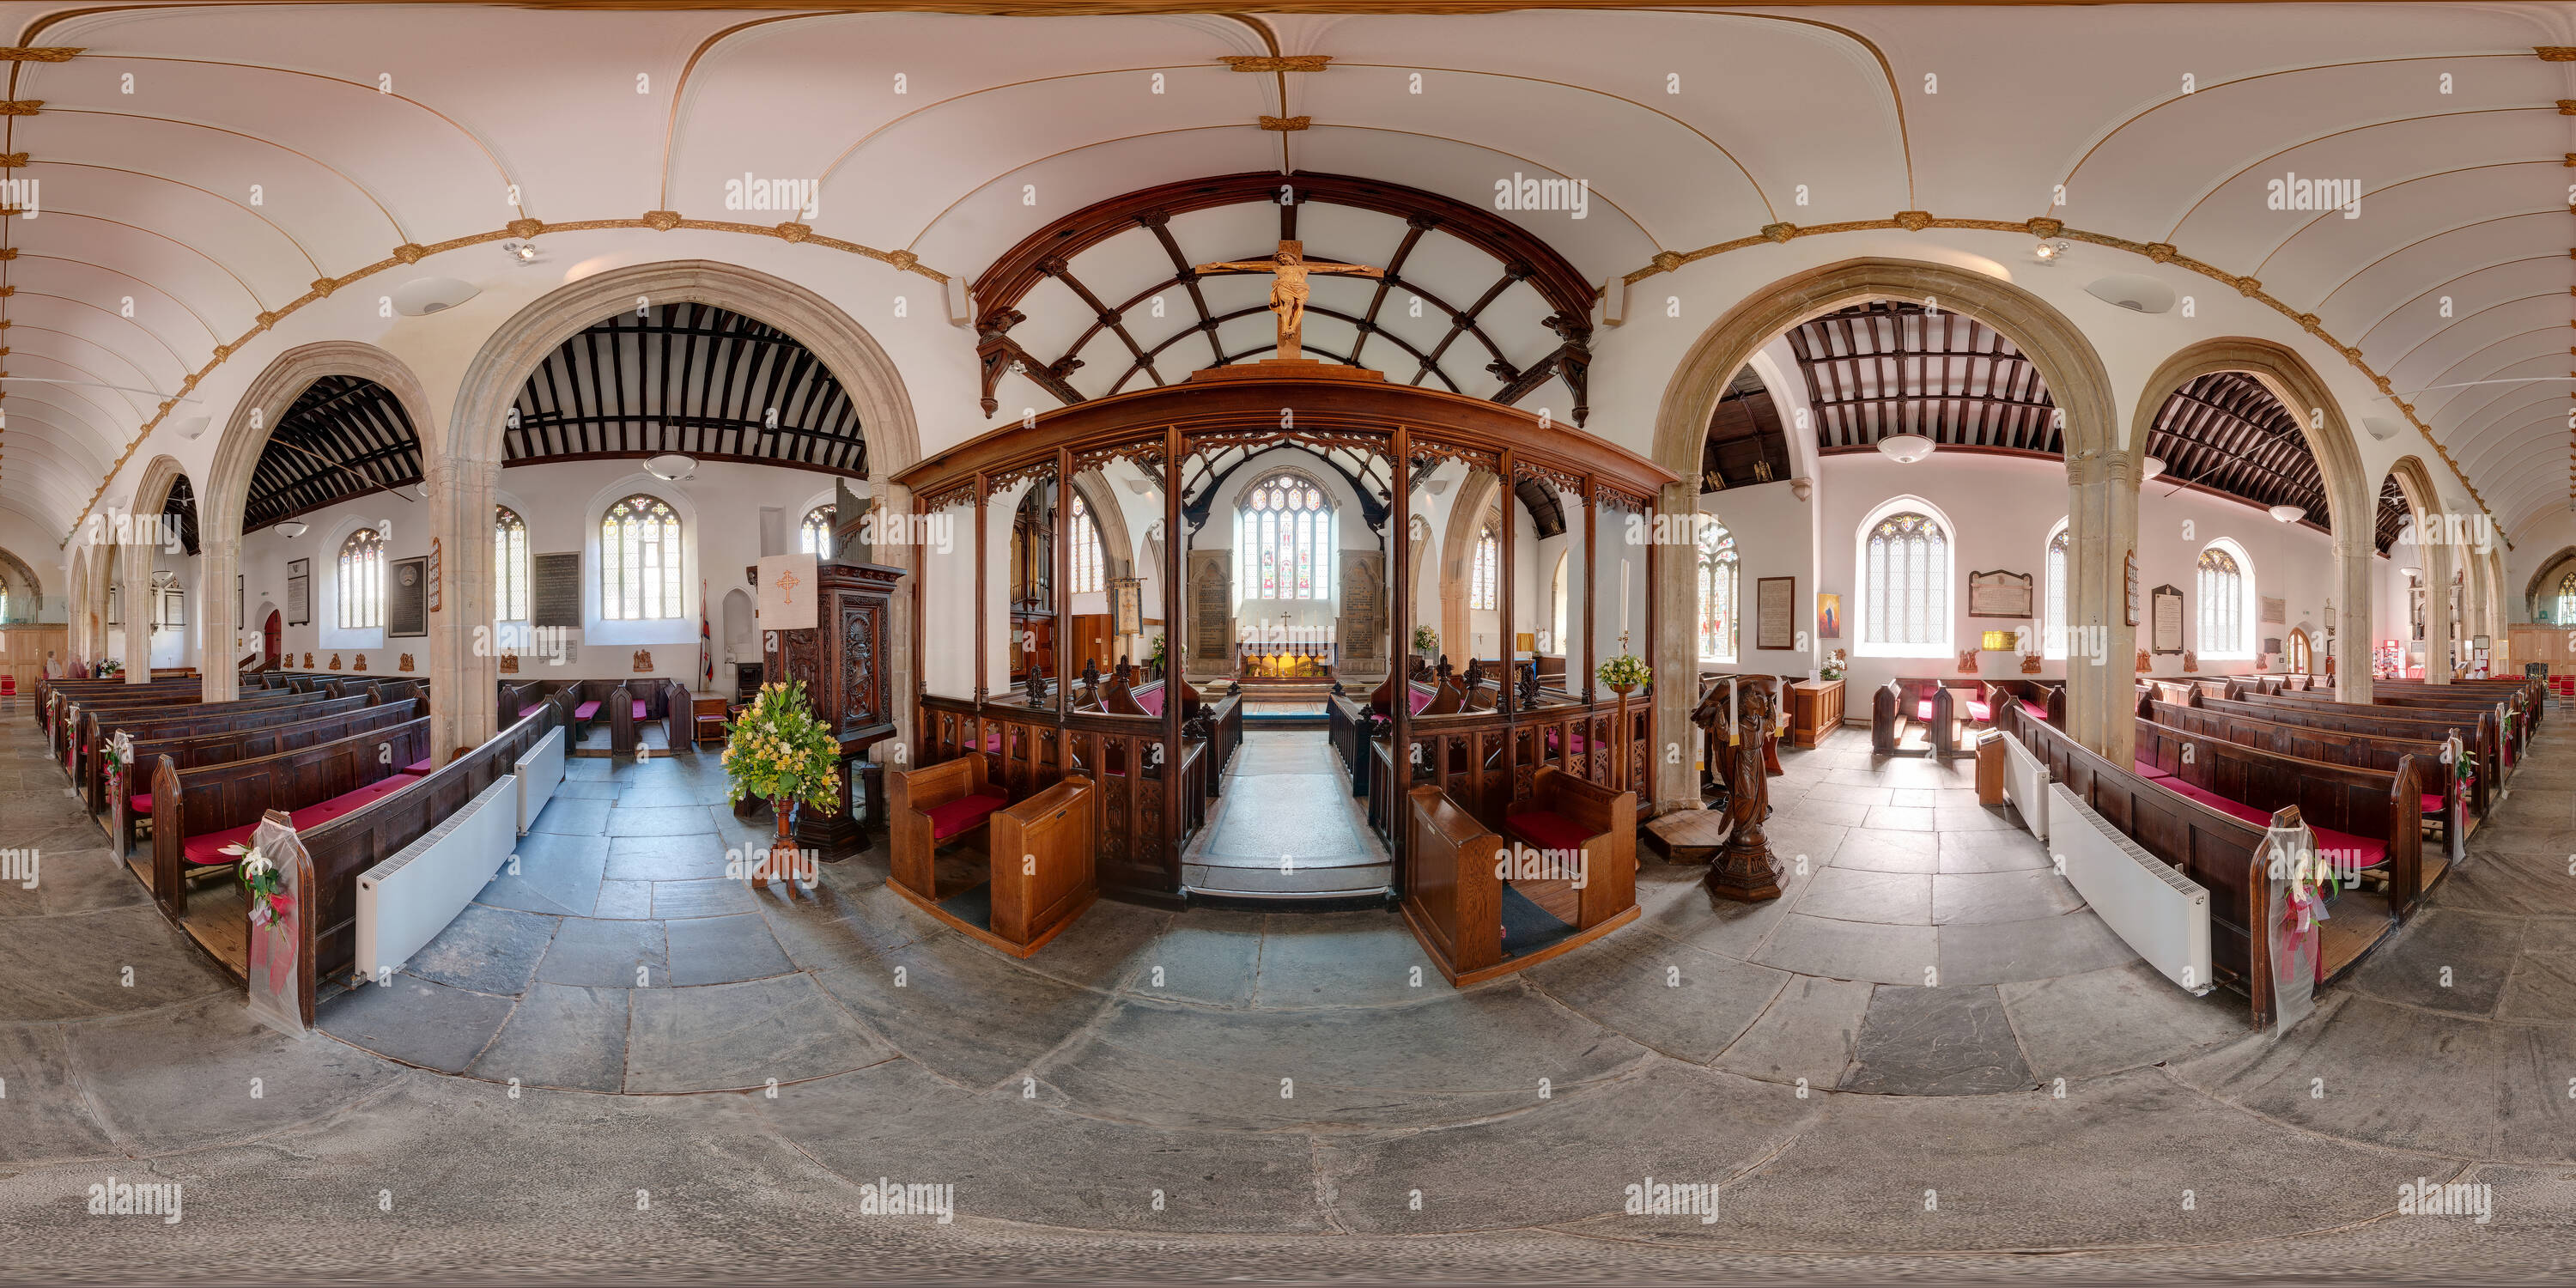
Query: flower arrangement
[[1834, 667], [778, 751], [1154, 659], [116, 755], [266, 887], [1624, 672], [1426, 641], [110, 667]]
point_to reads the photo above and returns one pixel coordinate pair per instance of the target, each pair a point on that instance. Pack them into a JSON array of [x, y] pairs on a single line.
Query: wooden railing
[[1484, 760], [1026, 753]]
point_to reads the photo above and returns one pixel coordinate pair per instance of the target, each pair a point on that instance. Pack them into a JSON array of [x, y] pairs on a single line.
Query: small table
[[707, 706]]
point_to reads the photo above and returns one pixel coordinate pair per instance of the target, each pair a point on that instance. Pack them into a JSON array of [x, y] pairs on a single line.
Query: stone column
[[1674, 655], [2437, 606], [2353, 587], [464, 665], [2101, 654], [134, 577], [218, 562], [896, 545]]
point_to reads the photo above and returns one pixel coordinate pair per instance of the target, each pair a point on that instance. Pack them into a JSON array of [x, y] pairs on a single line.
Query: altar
[[1310, 660]]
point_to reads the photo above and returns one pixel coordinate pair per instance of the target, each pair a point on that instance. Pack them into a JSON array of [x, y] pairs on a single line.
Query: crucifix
[[1288, 290]]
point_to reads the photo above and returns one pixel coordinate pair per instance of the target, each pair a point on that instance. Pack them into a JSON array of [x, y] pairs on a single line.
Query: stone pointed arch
[[150, 495], [1480, 494], [2351, 498], [225, 496], [465, 467], [27, 594], [2551, 569], [2102, 477], [2422, 498]]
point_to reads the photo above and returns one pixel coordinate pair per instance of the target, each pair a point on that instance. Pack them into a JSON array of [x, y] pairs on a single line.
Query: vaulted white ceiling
[[198, 166]]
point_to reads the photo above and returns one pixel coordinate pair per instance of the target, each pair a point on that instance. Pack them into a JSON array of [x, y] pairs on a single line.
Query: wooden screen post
[[1400, 709], [981, 692], [1175, 663]]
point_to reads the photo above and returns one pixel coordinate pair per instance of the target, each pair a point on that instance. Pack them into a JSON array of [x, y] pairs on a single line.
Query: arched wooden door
[[270, 637], [2302, 655]]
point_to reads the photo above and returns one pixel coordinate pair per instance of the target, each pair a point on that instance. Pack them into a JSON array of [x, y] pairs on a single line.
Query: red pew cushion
[[1420, 700], [1152, 701], [585, 711], [962, 814], [316, 815], [2371, 853], [139, 803], [1546, 829], [419, 768], [531, 709], [2432, 802], [1923, 709], [1979, 710], [2149, 771], [207, 850], [2037, 709], [639, 712]]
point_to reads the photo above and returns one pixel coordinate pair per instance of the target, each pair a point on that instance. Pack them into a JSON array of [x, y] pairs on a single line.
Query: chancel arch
[[2100, 474]]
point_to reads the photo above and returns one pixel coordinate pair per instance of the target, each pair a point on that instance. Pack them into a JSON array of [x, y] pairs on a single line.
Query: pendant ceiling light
[[2154, 466], [671, 467], [2289, 513], [1907, 448]]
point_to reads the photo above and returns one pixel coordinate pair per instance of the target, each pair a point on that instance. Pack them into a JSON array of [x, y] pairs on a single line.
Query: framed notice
[[299, 592], [1127, 606], [2168, 619], [1775, 608], [554, 589], [1999, 594], [2276, 612], [2129, 605], [407, 599]]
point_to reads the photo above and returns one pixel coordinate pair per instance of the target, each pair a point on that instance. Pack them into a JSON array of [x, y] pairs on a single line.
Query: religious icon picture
[[1829, 615]]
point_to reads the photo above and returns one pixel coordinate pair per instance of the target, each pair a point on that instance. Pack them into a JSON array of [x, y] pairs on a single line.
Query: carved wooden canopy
[[1143, 314]]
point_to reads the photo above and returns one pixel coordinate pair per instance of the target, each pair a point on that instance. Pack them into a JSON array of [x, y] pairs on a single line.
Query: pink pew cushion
[[1420, 700], [1152, 701], [2432, 802], [531, 709], [2371, 853], [1979, 711], [1923, 709], [418, 769], [346, 802], [585, 711], [639, 712], [2146, 770], [962, 814], [139, 803], [1546, 829], [2038, 710]]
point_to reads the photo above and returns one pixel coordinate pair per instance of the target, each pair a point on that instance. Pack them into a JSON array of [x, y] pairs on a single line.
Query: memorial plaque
[[1212, 607], [1362, 624], [2167, 627], [554, 589], [407, 599], [299, 592]]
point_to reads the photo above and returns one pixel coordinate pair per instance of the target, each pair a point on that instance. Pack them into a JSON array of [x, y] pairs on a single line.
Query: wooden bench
[[1041, 871], [89, 724], [2503, 733], [1570, 815], [934, 806], [1467, 913], [2045, 700], [196, 812], [2475, 729], [2364, 818], [2439, 763], [206, 718], [127, 808]]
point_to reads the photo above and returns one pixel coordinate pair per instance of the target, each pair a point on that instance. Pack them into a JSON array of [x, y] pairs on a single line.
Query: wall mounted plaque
[[2129, 608], [299, 592], [2168, 619], [1999, 594], [554, 585], [407, 600], [1775, 607]]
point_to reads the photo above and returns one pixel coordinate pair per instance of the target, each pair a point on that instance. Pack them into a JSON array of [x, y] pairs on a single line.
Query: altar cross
[[1288, 289]]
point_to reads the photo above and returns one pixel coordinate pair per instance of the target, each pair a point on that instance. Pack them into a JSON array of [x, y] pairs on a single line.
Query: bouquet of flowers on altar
[[777, 751], [1426, 641], [110, 667], [117, 755], [260, 879], [1625, 671]]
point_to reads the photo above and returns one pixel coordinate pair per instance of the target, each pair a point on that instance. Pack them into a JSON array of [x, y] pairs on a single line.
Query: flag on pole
[[706, 643]]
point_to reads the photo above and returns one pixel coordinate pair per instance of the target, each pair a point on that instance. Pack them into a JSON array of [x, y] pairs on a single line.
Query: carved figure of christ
[[1288, 289]]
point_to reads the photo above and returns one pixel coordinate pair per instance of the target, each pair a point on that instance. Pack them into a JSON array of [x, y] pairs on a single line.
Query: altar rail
[[1139, 847]]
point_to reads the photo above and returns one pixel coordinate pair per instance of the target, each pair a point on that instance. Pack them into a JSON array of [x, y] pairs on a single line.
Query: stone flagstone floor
[[1207, 1093]]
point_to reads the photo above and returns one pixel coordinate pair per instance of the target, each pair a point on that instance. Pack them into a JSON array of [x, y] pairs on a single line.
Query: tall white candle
[[1623, 596]]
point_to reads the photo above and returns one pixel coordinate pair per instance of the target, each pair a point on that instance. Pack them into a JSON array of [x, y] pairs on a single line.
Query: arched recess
[[2416, 483], [1478, 494], [150, 496], [76, 607], [465, 470], [226, 495], [2101, 476], [2543, 585], [26, 592], [2350, 492]]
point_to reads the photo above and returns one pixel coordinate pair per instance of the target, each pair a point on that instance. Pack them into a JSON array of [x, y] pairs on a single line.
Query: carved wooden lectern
[[845, 662], [1744, 871]]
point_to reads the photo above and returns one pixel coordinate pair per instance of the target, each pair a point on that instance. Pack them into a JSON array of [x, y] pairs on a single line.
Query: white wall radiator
[[539, 773], [405, 901], [2162, 914], [2026, 785]]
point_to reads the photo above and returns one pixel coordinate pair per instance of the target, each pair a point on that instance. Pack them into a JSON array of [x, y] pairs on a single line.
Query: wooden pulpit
[[845, 662]]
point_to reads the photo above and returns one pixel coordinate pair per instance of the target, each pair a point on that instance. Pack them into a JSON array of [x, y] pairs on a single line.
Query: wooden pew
[[2375, 817], [90, 724], [2476, 729], [1041, 866], [2507, 733], [2438, 762], [199, 750], [210, 717], [197, 811], [1455, 896], [1914, 718], [2044, 699]]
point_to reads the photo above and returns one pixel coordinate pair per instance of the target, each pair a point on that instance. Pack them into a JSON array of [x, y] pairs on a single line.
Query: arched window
[[639, 560], [1484, 589], [2053, 631], [814, 535], [2302, 654], [1905, 585], [1556, 631], [1284, 533], [362, 580], [2566, 613], [2226, 629], [509, 565], [1088, 567], [1717, 569]]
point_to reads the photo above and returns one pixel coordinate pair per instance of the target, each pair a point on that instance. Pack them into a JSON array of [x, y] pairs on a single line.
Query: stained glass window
[[362, 580], [2055, 645], [814, 535], [639, 560], [1905, 595], [1717, 577], [2566, 600], [1484, 590], [1285, 536], [1088, 572], [509, 566], [2222, 605]]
